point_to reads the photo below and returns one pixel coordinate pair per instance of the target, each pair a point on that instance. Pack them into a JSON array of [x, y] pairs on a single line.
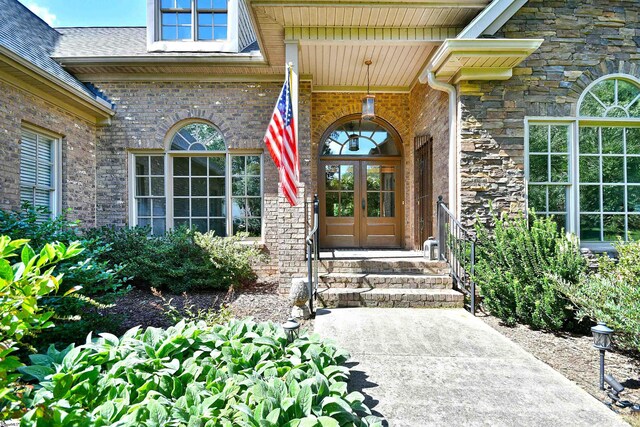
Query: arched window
[[200, 184], [354, 137], [586, 170]]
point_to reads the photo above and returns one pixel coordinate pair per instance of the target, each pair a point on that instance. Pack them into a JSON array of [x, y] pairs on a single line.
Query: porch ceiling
[[336, 37]]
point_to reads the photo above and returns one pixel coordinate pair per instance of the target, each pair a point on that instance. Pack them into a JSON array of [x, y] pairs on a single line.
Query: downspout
[[453, 137]]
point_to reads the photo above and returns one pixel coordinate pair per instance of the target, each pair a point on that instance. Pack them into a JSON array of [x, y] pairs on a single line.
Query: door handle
[[363, 204]]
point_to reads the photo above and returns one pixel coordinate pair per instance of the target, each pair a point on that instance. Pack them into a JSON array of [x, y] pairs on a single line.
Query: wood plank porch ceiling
[[336, 37]]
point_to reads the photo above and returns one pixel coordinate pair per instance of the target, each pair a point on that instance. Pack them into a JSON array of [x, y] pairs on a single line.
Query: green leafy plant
[[236, 374], [101, 280], [23, 285], [514, 260], [611, 295]]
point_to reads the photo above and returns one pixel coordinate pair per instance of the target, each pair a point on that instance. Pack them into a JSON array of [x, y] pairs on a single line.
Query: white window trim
[[56, 194], [168, 184], [156, 44]]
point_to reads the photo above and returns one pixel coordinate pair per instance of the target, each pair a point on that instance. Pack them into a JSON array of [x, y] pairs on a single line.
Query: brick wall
[[430, 116], [583, 40], [146, 112], [78, 150], [394, 108]]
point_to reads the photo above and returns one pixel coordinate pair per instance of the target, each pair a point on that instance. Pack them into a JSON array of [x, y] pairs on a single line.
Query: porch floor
[[369, 254]]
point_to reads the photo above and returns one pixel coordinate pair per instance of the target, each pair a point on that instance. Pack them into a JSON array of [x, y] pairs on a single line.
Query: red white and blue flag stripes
[[282, 143]]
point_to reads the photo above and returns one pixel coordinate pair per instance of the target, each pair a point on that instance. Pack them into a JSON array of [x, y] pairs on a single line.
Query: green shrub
[[23, 284], [514, 261], [101, 281], [236, 374], [612, 295], [181, 260]]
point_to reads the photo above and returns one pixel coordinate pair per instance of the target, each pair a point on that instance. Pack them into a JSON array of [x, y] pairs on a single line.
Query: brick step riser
[[377, 269], [356, 283], [396, 301]]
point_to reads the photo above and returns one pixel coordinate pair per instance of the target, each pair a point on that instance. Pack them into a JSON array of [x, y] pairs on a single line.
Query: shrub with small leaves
[[514, 260], [236, 374]]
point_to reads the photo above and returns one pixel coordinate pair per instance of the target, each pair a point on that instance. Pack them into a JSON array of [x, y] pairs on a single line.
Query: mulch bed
[[144, 308], [574, 357]]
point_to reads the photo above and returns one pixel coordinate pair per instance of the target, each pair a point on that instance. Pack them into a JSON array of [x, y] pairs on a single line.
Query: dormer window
[[203, 20], [193, 25]]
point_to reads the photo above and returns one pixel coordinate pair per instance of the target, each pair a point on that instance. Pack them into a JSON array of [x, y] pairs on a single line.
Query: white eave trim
[[491, 19], [250, 58], [94, 103]]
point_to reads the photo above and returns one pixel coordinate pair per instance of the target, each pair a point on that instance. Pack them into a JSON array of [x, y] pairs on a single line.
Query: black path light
[[602, 341], [291, 328]]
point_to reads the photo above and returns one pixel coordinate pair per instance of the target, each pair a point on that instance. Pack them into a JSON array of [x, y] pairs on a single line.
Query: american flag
[[282, 144]]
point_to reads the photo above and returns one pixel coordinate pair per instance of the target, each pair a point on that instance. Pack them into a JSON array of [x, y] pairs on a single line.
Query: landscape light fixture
[[369, 101], [291, 329], [602, 341]]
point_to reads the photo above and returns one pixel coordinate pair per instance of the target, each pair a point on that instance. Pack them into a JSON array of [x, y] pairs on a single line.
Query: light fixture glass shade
[[291, 328], [601, 336], [369, 107], [354, 142]]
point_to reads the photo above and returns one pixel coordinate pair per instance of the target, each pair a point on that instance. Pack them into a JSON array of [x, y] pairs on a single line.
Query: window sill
[[258, 244], [598, 247]]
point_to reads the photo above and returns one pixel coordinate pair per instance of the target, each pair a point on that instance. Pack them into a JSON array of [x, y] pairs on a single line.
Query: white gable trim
[[491, 19]]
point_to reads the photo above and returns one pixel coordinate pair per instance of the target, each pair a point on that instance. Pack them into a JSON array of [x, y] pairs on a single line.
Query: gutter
[[93, 102], [237, 59], [453, 135]]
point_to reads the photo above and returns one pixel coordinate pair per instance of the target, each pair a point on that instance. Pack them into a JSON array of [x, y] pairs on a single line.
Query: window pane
[[613, 169], [332, 204], [205, 19], [216, 166], [159, 207], [538, 136], [239, 225], [220, 19], [200, 224], [559, 168], [142, 186], [590, 228], [142, 165], [254, 207], [627, 92], [184, 18], [332, 177], [219, 33], [253, 165], [184, 33], [388, 205], [180, 186], [613, 198], [216, 207], [633, 169], [181, 223], [167, 4], [254, 227], [216, 187], [204, 4], [538, 198], [346, 204], [181, 208], [205, 33], [590, 198], [373, 205], [220, 4], [590, 107], [199, 166], [253, 186], [237, 165], [199, 207], [346, 177], [169, 33], [613, 227], [557, 198], [238, 186], [157, 186], [157, 165], [159, 226], [633, 198], [144, 207], [239, 207], [589, 169], [219, 226], [559, 139], [605, 91], [589, 141], [633, 141], [538, 170], [634, 227], [183, 4], [169, 19], [198, 186], [612, 141], [180, 166]]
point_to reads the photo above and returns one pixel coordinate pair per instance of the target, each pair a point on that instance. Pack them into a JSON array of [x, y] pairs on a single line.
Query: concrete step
[[384, 265], [386, 280], [389, 297]]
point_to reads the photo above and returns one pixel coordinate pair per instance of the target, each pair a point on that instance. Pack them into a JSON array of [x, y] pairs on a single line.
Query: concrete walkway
[[434, 367]]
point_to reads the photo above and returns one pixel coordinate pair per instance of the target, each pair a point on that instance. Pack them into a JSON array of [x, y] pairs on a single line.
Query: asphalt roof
[[30, 38], [115, 42]]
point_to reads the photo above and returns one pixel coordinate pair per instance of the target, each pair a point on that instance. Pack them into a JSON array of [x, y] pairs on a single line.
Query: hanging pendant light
[[369, 101]]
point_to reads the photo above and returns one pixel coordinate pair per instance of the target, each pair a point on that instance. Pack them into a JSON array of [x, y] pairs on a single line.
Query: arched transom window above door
[[354, 137]]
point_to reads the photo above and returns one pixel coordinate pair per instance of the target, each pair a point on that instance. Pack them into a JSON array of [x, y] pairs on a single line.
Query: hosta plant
[[236, 374]]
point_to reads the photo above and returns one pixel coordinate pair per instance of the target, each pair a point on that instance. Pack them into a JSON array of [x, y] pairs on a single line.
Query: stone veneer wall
[[78, 150], [430, 116], [146, 111], [583, 40], [394, 108]]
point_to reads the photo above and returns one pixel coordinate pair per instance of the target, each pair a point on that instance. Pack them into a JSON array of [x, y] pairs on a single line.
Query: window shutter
[[28, 151]]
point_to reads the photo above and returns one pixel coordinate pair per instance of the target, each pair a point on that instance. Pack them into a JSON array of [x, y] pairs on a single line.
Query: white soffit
[[480, 59]]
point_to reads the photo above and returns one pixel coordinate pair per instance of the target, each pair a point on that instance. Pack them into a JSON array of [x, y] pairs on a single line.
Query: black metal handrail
[[313, 256], [457, 246]]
